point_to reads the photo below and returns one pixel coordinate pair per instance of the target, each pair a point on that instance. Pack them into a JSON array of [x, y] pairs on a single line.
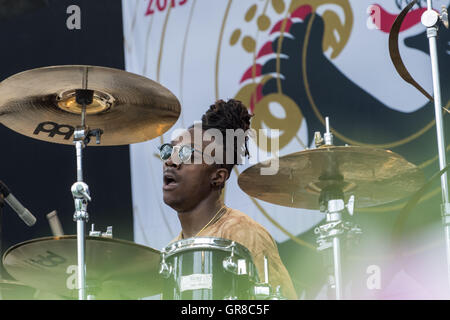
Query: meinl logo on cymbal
[[53, 128]]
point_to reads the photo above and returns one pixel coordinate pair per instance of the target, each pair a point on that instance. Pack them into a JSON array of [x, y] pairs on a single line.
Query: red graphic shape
[[278, 25], [250, 73], [384, 20], [301, 12], [265, 50]]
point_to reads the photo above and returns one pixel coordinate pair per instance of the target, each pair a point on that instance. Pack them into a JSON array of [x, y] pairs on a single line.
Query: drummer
[[193, 187]]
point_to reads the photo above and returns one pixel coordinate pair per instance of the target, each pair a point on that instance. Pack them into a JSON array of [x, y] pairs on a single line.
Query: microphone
[[23, 212]]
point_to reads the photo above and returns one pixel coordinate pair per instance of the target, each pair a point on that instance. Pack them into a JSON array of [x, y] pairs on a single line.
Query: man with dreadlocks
[[194, 189]]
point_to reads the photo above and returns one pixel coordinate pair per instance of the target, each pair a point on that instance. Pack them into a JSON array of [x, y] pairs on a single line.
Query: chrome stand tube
[[79, 191], [79, 152], [81, 245], [337, 267], [329, 238], [431, 19]]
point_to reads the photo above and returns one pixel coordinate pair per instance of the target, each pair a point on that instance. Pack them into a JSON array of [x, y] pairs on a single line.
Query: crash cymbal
[[373, 176], [115, 269], [40, 103]]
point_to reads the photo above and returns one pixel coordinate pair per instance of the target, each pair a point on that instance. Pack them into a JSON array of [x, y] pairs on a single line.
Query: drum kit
[[72, 104]]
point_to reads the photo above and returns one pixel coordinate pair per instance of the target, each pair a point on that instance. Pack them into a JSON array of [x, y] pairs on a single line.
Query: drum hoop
[[206, 243]]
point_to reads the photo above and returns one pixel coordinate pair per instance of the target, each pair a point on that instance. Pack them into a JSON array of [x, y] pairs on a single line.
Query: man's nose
[[170, 163]]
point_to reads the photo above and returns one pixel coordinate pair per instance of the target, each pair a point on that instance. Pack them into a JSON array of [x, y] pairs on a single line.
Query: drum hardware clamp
[[107, 234]]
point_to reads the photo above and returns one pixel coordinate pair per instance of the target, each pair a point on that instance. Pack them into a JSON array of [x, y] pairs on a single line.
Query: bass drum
[[207, 268]]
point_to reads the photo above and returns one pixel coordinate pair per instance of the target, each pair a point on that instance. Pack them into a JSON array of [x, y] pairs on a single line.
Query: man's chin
[[171, 200]]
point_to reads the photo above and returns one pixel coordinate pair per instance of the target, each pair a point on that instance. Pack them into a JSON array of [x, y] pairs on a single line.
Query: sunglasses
[[184, 153]]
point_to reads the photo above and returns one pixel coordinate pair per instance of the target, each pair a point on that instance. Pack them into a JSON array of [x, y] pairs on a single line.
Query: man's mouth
[[169, 181], [384, 20]]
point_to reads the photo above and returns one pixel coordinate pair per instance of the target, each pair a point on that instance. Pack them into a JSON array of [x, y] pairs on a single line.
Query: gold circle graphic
[[263, 22], [235, 37], [249, 44], [251, 13]]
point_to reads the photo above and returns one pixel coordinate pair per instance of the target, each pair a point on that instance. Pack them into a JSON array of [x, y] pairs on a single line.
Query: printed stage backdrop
[[294, 62]]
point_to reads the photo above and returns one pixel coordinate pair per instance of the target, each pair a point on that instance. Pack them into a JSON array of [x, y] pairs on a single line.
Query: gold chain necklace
[[223, 207]]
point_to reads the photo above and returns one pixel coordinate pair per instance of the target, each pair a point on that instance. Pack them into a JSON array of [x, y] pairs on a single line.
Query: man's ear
[[218, 177]]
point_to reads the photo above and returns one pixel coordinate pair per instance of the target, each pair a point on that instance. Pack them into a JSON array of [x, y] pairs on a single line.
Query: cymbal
[[373, 176], [41, 104], [115, 269], [14, 290]]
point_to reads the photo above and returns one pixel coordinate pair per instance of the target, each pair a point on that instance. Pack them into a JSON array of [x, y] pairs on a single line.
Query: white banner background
[[187, 48]]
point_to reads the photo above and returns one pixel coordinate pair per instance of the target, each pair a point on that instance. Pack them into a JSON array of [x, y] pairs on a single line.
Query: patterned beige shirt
[[237, 226]]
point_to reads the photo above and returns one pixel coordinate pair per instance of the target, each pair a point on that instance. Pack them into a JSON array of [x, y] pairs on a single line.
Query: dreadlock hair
[[229, 115]]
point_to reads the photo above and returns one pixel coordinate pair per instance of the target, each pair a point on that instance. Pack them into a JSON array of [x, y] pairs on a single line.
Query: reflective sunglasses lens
[[165, 151], [185, 153]]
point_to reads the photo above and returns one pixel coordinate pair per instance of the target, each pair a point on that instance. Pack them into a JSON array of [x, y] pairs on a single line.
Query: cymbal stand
[[80, 190], [331, 201], [431, 20]]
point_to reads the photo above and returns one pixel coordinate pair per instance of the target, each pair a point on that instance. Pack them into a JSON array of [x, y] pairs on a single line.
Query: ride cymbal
[[373, 176], [128, 108], [115, 269]]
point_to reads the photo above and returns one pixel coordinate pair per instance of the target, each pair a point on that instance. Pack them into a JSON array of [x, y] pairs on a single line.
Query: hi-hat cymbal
[[40, 103], [373, 176], [115, 269]]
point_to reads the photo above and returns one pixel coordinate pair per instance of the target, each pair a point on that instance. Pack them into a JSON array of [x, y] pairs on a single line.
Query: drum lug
[[165, 269], [277, 295], [262, 291], [230, 263]]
